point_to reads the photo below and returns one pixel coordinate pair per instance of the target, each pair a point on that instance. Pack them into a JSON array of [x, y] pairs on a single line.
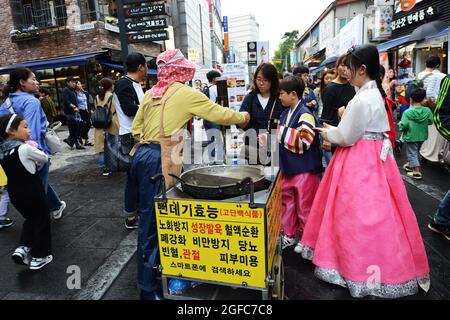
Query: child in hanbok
[[362, 233], [300, 160]]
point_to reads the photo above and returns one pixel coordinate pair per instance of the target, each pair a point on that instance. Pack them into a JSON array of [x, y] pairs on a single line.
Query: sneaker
[[407, 168], [80, 147], [39, 263], [132, 224], [106, 172], [415, 175], [22, 255], [6, 223], [298, 248], [441, 229], [287, 242], [57, 214]]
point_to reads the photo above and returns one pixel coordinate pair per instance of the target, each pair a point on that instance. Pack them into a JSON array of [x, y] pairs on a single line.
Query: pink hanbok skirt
[[362, 233]]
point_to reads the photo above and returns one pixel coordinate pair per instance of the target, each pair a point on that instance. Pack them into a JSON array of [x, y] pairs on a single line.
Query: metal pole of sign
[[123, 33]]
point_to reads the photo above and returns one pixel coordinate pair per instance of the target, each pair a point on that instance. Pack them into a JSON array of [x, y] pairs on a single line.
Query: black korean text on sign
[[148, 36], [145, 11], [146, 24]]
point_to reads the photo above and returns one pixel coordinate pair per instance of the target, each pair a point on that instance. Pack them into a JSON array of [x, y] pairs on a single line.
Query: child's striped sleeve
[[298, 140]]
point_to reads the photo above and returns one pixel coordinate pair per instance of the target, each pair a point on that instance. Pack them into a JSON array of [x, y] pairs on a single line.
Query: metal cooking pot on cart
[[222, 182]]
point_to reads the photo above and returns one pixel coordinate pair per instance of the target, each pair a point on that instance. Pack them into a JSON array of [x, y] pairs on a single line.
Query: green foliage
[[282, 58]]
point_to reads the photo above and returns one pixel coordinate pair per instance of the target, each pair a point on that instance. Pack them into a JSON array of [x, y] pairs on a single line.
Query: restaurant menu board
[[237, 86], [212, 241]]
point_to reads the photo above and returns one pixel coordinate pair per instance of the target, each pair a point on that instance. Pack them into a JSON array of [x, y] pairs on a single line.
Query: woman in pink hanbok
[[362, 233]]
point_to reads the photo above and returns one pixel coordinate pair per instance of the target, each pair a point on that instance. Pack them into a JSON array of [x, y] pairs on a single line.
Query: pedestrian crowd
[[334, 139]]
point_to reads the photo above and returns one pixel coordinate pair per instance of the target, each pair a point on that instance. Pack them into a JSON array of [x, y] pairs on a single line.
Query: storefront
[[407, 56], [88, 68]]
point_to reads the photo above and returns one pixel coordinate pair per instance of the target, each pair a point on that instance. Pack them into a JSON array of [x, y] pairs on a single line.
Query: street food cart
[[219, 227]]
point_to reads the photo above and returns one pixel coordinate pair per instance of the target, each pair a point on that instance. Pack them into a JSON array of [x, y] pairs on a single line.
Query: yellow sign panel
[[274, 217], [210, 241]]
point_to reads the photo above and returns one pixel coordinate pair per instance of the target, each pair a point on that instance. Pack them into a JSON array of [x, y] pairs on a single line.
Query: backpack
[[442, 112], [415, 84], [102, 116], [206, 92]]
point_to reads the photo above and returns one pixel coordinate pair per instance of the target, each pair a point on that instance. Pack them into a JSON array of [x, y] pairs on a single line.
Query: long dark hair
[[269, 72], [4, 120], [369, 56], [14, 80], [106, 85]]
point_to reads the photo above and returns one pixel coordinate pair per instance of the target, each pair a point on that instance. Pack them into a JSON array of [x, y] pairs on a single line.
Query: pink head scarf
[[172, 67]]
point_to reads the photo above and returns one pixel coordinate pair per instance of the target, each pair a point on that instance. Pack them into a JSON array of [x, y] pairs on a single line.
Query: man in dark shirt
[[70, 106]]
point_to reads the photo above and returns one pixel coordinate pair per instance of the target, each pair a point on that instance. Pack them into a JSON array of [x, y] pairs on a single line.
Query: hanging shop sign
[[138, 1], [405, 5], [112, 24], [151, 24], [148, 36], [252, 49], [145, 11], [383, 22], [419, 16]]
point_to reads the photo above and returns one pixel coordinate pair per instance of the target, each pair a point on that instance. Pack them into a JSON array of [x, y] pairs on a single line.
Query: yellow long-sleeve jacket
[[180, 108]]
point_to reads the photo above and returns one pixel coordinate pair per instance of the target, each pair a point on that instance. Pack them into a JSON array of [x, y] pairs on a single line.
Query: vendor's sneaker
[[106, 172], [287, 242], [22, 255], [5, 223], [39, 263], [57, 214], [441, 229], [132, 224]]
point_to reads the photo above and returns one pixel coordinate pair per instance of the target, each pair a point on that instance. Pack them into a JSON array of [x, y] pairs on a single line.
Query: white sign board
[[351, 34], [237, 84], [262, 52], [84, 27], [326, 28]]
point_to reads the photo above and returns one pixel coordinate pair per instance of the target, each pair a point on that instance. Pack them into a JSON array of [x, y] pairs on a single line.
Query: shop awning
[[317, 70], [385, 46], [442, 33], [151, 72], [75, 60], [428, 29]]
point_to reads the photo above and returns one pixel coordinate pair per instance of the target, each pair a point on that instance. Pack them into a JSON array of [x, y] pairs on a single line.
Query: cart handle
[[245, 182]]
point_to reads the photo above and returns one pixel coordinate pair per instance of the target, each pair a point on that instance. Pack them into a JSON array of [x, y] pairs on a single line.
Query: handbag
[[117, 152], [52, 139], [102, 116]]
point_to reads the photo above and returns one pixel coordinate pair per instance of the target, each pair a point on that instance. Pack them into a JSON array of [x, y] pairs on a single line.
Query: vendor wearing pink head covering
[[164, 111]]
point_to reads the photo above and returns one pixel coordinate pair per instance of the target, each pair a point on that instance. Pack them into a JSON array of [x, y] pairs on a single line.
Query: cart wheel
[[278, 277]]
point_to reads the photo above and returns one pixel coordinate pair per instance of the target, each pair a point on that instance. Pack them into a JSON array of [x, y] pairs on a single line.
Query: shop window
[[342, 23], [29, 15], [97, 10]]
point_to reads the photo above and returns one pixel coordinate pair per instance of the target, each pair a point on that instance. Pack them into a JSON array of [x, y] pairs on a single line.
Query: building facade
[[341, 24], [217, 34], [61, 38], [191, 23], [242, 29]]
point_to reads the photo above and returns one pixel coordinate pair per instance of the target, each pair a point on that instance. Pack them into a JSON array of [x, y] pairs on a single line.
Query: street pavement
[[92, 238]]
